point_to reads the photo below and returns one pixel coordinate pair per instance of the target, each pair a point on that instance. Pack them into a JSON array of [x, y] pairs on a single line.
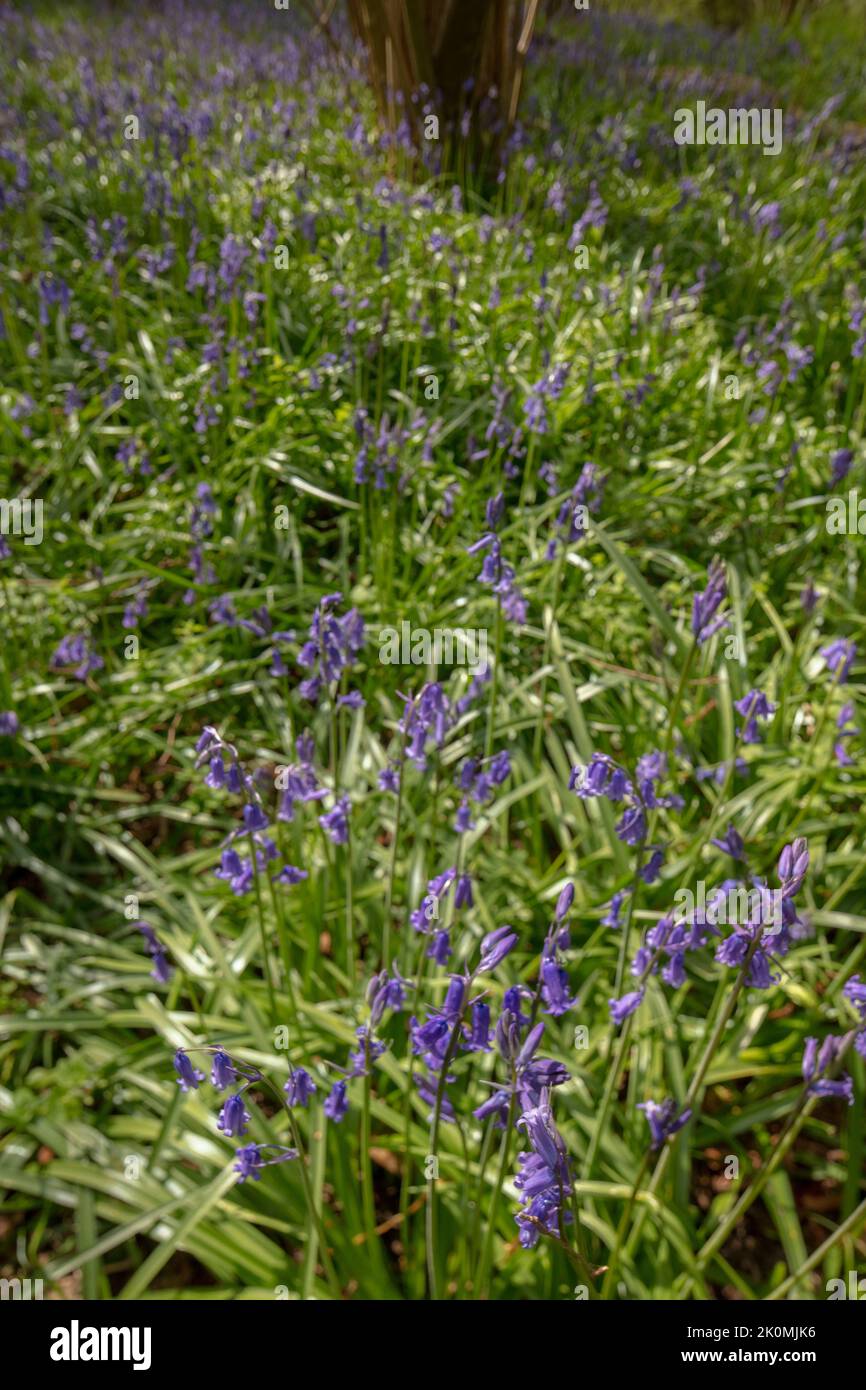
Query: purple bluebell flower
[[650, 871], [499, 575], [188, 1076], [369, 1050], [614, 910], [620, 1009], [793, 866], [544, 1180], [439, 949], [840, 465], [495, 946], [585, 500], [752, 707], [498, 1104], [300, 1087], [593, 215], [337, 1104], [839, 656], [76, 651], [331, 647], [233, 1117], [706, 621], [855, 992], [816, 1062], [846, 729], [250, 1159], [254, 817], [335, 822], [136, 609], [162, 971], [237, 872], [554, 988], [563, 902], [663, 1119], [631, 828], [427, 1089], [463, 892], [290, 875], [478, 1034], [223, 1071], [731, 843]]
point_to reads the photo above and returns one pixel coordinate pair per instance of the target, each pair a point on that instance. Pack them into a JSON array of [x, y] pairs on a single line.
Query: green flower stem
[[494, 684], [266, 960], [613, 1259], [313, 1210], [432, 1214], [367, 1201], [504, 1155], [848, 1227], [392, 867]]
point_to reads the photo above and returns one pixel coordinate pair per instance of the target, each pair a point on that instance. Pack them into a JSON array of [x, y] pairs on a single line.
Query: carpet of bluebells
[[330, 969]]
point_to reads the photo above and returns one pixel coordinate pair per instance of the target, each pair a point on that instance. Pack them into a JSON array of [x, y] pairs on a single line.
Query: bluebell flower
[[332, 645], [254, 817], [498, 1104], [369, 1051], [620, 1009], [544, 1180], [233, 1117], [705, 605], [478, 1034], [223, 1072], [439, 949], [614, 910], [840, 465], [816, 1062], [793, 866], [731, 843], [76, 651], [839, 656], [752, 707], [188, 1076], [846, 729], [428, 1036], [8, 722], [300, 1087], [250, 1159], [563, 902], [337, 1104], [162, 971], [290, 875], [855, 992], [237, 872], [495, 946], [463, 891], [631, 828], [554, 988], [663, 1119], [335, 822], [650, 871]]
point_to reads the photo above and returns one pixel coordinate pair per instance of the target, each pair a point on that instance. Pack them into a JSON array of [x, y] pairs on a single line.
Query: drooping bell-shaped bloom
[[251, 1158], [495, 946], [188, 1076], [300, 1087], [663, 1119], [223, 1072], [233, 1117]]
